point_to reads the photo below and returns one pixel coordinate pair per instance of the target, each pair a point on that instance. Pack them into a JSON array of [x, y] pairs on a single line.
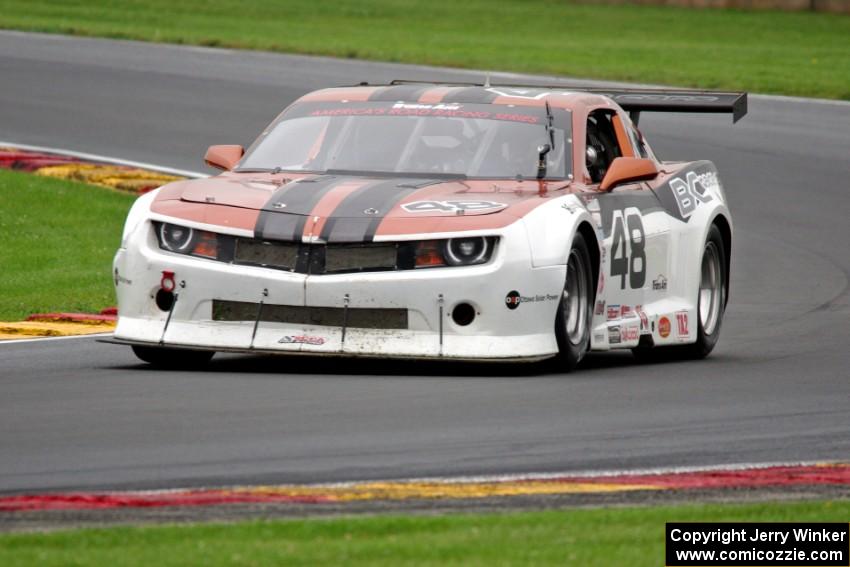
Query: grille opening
[[356, 318], [355, 258], [262, 253]]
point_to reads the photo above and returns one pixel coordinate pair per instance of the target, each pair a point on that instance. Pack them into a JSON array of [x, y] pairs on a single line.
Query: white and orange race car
[[418, 220]]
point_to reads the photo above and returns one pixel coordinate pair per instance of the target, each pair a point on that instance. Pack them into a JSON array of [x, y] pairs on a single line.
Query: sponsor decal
[[659, 283], [302, 340], [629, 334], [694, 190], [682, 324], [571, 208], [614, 335], [530, 94], [592, 205], [625, 311], [598, 337], [119, 279], [514, 298], [664, 327], [613, 312], [457, 207], [600, 308], [644, 320], [443, 109], [424, 106], [651, 97]]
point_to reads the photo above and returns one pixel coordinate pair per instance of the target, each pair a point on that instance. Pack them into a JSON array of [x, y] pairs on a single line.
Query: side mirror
[[627, 169], [224, 157]]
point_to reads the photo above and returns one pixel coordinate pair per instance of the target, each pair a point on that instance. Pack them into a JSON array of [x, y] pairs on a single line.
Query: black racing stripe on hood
[[300, 197], [407, 93], [471, 95], [354, 219]]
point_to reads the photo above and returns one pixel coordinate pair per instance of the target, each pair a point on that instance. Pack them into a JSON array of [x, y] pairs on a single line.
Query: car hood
[[350, 208]]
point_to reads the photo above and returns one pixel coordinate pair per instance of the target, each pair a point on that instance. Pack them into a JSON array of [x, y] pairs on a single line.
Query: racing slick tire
[[173, 358], [574, 317], [711, 301]]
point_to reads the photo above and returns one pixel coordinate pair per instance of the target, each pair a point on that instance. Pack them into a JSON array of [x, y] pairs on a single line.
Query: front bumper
[[428, 296]]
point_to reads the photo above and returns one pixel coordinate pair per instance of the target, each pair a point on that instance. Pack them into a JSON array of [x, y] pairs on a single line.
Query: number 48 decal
[[628, 254]]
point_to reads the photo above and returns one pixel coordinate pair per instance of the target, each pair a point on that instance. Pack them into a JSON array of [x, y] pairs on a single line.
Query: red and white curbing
[[709, 478], [40, 326], [119, 174]]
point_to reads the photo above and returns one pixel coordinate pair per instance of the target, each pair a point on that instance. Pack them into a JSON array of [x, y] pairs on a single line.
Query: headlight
[[467, 251], [175, 238], [185, 240], [464, 251]]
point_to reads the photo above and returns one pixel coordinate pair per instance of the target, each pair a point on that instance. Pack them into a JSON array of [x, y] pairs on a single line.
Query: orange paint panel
[[233, 217], [555, 101], [171, 191], [231, 192], [435, 95], [392, 226], [330, 95], [520, 198]]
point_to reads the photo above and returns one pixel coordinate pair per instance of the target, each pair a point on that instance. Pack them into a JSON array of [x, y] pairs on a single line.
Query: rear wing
[[636, 100]]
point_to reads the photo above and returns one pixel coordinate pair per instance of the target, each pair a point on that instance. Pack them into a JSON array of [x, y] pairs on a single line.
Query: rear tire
[[173, 358], [575, 310], [711, 302]]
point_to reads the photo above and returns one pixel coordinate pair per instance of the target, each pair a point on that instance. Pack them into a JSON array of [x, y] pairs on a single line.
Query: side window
[[602, 145], [638, 141]]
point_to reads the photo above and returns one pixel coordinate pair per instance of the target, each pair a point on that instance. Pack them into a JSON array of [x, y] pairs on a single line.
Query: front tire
[[173, 358], [575, 310]]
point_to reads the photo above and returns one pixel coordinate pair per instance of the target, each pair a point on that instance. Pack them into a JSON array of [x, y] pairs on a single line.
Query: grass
[[58, 241], [604, 537], [771, 52]]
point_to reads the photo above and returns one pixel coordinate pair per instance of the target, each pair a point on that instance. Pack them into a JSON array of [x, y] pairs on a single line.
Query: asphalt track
[[78, 414]]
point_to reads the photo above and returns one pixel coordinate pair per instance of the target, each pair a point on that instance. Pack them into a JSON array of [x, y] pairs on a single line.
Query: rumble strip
[[463, 488]]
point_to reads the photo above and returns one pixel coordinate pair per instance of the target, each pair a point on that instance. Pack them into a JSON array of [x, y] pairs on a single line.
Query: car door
[[636, 236]]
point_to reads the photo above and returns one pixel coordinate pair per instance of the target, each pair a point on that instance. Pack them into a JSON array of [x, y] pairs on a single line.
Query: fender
[[695, 230], [552, 227], [138, 212], [703, 204]]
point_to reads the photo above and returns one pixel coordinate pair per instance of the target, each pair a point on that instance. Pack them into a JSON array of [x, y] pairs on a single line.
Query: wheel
[[712, 295], [572, 323], [175, 358], [711, 303]]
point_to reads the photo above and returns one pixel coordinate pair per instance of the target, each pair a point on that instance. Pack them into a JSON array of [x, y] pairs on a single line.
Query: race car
[[436, 221]]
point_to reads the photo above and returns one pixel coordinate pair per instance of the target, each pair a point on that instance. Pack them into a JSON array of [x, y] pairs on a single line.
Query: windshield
[[464, 140]]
